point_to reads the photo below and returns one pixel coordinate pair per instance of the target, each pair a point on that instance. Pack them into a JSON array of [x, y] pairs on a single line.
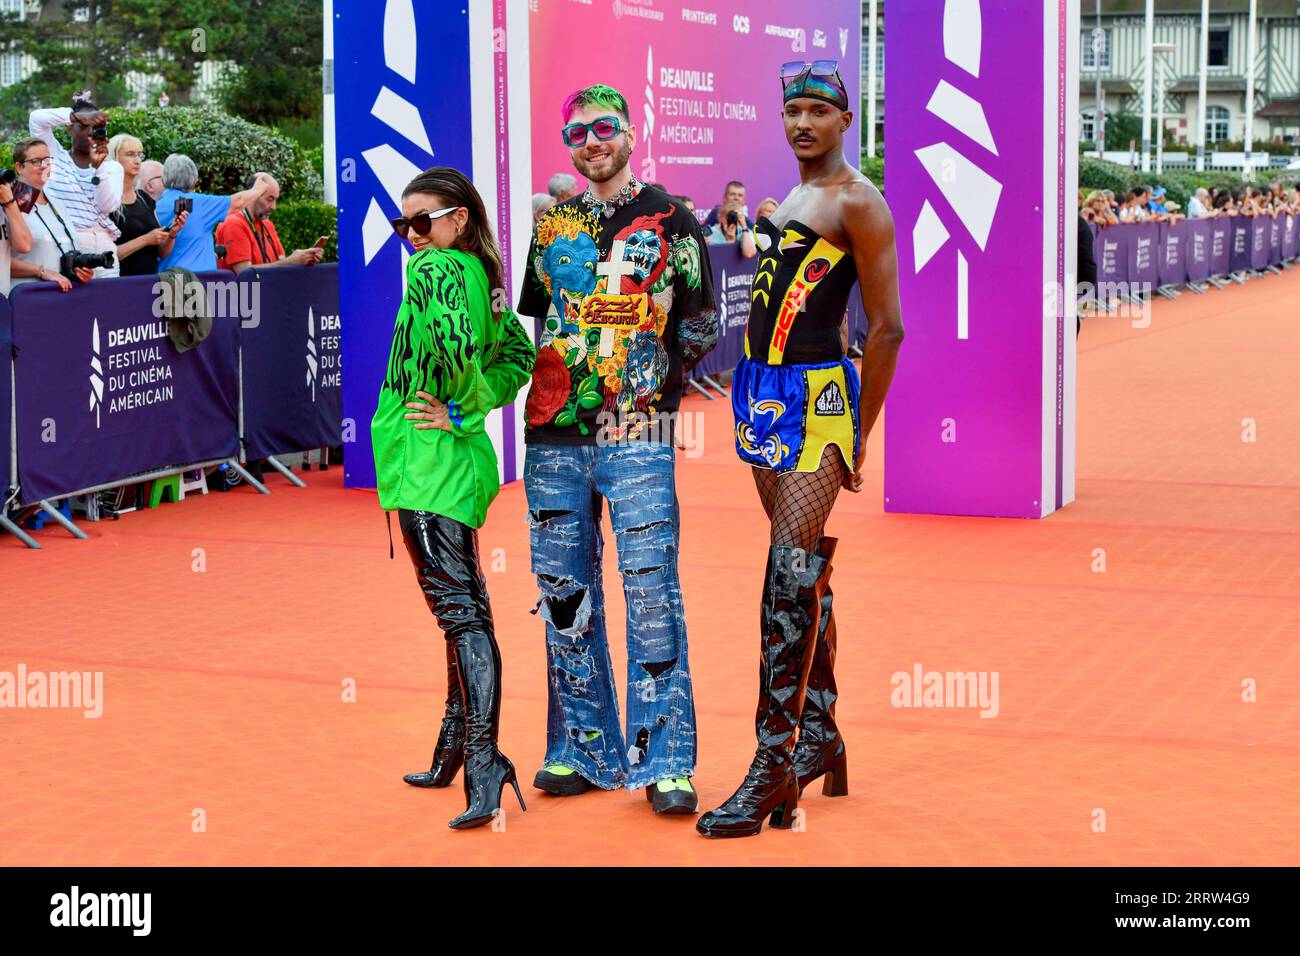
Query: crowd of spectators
[[1144, 204], [103, 209]]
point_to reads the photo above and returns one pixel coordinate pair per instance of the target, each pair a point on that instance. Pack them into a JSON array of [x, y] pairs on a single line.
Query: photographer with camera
[[249, 237], [53, 253], [733, 227], [143, 241], [85, 183], [193, 248], [15, 236]]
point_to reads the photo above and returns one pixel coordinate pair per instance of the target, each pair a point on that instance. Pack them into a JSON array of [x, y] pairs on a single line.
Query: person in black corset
[[143, 241], [802, 422]]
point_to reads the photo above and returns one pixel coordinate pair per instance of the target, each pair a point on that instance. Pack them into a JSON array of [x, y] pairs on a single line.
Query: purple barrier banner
[[1291, 238], [1196, 250], [1259, 234], [733, 276], [1241, 233], [1143, 254], [1110, 249], [982, 162], [1173, 236], [6, 436], [1277, 225], [1221, 233], [293, 392], [857, 329], [102, 392]]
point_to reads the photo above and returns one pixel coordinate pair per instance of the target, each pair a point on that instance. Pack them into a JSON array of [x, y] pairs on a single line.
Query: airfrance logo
[[831, 400], [74, 909], [970, 192]]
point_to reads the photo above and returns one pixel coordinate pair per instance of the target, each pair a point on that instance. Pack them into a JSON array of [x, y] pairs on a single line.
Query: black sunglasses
[[421, 222]]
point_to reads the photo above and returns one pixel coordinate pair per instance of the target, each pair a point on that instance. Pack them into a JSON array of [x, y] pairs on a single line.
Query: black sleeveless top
[[800, 292]]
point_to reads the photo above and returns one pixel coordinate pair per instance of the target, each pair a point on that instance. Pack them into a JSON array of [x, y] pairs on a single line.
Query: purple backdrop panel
[[6, 352], [1241, 234], [103, 394], [1173, 237], [1144, 253], [1196, 249], [1111, 252], [971, 404], [1276, 227], [857, 318], [293, 393], [1290, 240], [1259, 235], [1221, 231], [733, 277]]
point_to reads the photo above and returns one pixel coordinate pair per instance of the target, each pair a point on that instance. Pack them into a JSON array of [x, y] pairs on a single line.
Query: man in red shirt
[[250, 237]]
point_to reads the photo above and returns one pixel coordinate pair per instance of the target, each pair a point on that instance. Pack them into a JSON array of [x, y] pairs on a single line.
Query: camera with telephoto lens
[[733, 218], [70, 262], [7, 177]]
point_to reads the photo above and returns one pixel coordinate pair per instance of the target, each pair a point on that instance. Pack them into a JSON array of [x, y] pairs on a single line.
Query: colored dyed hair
[[599, 95]]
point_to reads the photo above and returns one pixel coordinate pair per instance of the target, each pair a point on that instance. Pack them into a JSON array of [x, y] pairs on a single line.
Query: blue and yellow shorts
[[786, 415]]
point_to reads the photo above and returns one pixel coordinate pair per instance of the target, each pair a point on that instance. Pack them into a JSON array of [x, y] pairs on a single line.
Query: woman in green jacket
[[458, 352]]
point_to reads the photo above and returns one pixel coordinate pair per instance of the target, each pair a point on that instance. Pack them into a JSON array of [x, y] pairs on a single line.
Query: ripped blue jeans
[[566, 487]]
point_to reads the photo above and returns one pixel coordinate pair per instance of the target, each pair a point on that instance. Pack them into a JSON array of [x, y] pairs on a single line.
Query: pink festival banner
[[701, 79]]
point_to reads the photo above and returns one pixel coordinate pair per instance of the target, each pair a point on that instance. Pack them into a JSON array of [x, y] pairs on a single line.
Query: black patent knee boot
[[820, 750], [449, 752], [446, 555], [789, 616]]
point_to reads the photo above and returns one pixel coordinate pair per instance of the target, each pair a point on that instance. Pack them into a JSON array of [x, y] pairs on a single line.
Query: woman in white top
[[52, 232]]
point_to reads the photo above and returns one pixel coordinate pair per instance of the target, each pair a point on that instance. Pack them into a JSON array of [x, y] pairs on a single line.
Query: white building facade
[[1121, 64]]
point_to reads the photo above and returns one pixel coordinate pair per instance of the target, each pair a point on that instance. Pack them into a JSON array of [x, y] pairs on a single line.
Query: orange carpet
[[1121, 692]]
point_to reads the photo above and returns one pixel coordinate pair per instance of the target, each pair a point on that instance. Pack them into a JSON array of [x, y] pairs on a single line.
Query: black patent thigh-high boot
[[453, 584], [790, 611], [449, 752], [820, 750]]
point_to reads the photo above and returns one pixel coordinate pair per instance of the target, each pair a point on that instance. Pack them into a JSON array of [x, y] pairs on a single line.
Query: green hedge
[[874, 169], [300, 223], [1180, 184], [226, 149]]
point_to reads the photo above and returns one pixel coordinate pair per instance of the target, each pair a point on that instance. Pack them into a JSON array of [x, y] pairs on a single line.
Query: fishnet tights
[[799, 502]]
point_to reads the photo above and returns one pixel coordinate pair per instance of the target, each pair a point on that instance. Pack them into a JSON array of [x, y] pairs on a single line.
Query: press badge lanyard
[[257, 236]]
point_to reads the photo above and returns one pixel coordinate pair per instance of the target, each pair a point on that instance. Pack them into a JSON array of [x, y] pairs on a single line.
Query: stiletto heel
[[519, 796]]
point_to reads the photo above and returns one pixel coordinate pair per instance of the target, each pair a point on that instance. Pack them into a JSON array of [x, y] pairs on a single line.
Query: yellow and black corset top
[[800, 292]]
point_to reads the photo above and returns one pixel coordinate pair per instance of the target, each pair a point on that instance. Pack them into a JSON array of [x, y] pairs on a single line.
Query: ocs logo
[[815, 270], [740, 24]]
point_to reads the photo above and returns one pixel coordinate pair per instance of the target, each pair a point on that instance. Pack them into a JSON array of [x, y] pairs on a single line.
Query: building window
[[11, 68], [1218, 44], [1088, 126], [1091, 61], [1216, 124], [14, 8], [880, 53]]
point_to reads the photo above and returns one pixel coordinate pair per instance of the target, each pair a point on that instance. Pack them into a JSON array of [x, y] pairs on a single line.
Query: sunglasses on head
[[421, 222], [604, 128], [796, 68]]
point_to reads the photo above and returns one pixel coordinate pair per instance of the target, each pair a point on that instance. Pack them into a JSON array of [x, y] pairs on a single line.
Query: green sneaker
[[675, 795], [561, 780]]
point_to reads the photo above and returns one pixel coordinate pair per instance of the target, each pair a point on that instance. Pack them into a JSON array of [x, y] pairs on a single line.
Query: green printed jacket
[[446, 342]]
